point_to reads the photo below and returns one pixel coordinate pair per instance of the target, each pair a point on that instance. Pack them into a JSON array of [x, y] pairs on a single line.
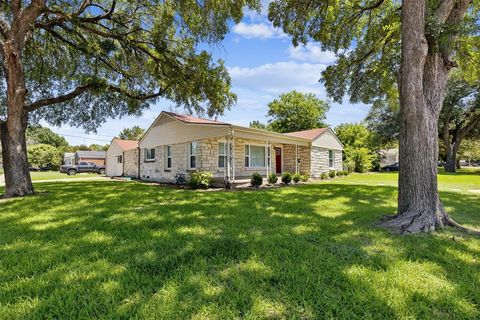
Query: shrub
[[272, 178], [346, 173], [339, 173], [332, 173], [304, 177], [324, 176], [256, 179], [296, 177], [286, 177], [201, 179]]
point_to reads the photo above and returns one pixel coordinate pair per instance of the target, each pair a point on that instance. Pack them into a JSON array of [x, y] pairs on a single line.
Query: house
[[97, 157], [178, 144], [69, 158], [388, 157], [122, 158]]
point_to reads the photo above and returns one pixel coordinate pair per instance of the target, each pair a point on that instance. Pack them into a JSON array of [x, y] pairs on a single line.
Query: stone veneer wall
[[130, 163], [319, 161]]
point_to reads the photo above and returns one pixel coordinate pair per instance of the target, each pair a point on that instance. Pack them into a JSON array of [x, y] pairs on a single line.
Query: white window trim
[[257, 145], [146, 154], [167, 157], [189, 155], [333, 159], [224, 155]]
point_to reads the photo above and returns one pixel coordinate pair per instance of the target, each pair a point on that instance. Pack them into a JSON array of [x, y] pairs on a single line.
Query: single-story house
[[97, 157], [69, 158], [122, 158], [178, 144]]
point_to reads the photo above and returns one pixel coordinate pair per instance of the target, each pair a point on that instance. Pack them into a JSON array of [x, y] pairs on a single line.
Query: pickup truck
[[81, 167]]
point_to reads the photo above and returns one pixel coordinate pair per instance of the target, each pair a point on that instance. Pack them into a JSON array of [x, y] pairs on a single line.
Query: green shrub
[[286, 177], [256, 179], [296, 177], [324, 176], [201, 179], [346, 173], [272, 178], [304, 177], [339, 173], [332, 173]]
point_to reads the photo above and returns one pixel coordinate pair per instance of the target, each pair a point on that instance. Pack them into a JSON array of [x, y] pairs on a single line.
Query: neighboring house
[[69, 158], [178, 144], [97, 157], [122, 158]]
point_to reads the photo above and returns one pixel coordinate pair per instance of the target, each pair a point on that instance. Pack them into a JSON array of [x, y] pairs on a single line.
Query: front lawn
[[55, 175], [105, 249]]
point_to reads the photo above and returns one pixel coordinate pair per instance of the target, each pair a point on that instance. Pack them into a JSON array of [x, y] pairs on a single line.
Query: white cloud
[[311, 53], [258, 30]]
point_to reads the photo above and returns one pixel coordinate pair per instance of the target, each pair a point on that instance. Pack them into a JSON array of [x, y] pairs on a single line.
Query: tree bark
[[422, 84], [451, 160], [14, 149]]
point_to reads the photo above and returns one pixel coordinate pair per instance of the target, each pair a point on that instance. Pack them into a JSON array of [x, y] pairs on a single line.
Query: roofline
[[269, 133], [196, 123], [334, 134]]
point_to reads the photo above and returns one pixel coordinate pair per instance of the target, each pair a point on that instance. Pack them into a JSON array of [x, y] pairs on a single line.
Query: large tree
[[41, 135], [388, 44], [296, 111], [133, 133], [81, 62]]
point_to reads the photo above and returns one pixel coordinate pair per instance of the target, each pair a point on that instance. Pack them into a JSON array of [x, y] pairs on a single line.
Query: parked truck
[[81, 167]]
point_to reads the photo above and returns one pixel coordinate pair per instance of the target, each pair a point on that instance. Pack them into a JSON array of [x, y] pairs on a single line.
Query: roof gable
[[126, 144], [311, 134]]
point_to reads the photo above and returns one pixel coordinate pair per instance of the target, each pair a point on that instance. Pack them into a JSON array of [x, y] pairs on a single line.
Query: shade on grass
[[121, 250]]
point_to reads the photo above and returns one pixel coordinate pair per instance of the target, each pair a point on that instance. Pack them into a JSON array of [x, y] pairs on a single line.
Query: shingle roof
[[91, 154], [195, 120], [126, 144], [311, 134]]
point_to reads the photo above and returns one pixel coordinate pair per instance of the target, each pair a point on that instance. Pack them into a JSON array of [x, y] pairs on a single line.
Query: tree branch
[[59, 99]]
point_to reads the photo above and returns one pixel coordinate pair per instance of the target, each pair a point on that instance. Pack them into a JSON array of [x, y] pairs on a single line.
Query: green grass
[[55, 175], [104, 249]]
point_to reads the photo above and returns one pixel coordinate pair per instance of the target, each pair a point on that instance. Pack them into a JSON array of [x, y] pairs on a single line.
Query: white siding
[[113, 168], [177, 132], [328, 140]]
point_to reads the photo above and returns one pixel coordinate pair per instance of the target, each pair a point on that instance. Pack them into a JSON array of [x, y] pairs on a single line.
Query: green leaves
[[295, 111]]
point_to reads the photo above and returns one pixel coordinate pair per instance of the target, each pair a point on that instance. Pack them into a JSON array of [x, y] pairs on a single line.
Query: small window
[[192, 155], [150, 154], [255, 156], [222, 154], [331, 159], [119, 159], [168, 157]]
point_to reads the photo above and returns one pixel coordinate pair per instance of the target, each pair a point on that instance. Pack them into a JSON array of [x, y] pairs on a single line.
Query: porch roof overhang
[[258, 134]]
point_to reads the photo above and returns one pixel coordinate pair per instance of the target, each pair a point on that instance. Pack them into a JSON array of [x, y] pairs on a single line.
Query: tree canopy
[[42, 135], [296, 111], [133, 133], [357, 143]]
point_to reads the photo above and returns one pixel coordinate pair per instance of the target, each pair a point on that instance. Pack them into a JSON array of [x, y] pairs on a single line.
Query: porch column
[[232, 156], [296, 158]]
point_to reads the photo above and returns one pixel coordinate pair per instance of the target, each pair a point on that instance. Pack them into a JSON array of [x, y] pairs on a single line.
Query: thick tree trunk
[[451, 160], [422, 85], [14, 150]]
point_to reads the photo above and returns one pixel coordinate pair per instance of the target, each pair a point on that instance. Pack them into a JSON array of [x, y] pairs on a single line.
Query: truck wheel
[[72, 172], [101, 171]]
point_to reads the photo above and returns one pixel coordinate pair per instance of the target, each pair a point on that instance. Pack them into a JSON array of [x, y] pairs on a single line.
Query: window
[[222, 154], [192, 155], [255, 156], [150, 154], [119, 159], [331, 159], [168, 157]]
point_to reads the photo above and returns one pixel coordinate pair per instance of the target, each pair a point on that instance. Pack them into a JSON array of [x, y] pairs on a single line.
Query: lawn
[[105, 249], [55, 175]]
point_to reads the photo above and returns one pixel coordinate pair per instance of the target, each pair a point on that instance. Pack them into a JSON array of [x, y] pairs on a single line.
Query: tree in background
[[390, 46], [40, 135], [356, 140], [470, 150], [258, 125], [41, 155], [296, 111], [98, 147], [133, 133], [82, 62], [459, 119]]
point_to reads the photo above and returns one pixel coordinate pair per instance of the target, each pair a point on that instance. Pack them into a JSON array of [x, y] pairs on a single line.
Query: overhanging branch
[[59, 99]]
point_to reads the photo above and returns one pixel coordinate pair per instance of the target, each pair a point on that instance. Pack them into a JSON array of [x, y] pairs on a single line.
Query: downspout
[[233, 154], [138, 170]]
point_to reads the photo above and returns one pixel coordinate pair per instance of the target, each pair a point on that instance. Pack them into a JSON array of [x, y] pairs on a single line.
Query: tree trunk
[[422, 84], [451, 161], [14, 149]]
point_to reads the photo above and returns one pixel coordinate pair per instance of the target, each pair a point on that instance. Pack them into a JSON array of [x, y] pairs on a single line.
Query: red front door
[[278, 160]]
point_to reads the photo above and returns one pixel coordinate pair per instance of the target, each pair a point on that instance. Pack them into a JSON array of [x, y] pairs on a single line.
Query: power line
[[84, 137]]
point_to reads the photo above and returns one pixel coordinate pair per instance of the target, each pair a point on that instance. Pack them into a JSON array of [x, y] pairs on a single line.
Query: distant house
[[179, 144], [97, 157], [122, 158], [69, 158]]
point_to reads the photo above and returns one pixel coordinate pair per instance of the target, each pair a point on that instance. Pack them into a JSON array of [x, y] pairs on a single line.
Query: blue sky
[[263, 64]]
